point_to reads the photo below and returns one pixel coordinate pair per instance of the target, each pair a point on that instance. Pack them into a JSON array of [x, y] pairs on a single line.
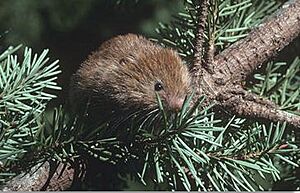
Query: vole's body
[[124, 74]]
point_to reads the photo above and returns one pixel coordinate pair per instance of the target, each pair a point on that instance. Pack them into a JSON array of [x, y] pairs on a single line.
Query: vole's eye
[[158, 86]]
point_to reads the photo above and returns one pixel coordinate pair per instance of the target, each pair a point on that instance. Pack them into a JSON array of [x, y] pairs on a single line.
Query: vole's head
[[145, 70]]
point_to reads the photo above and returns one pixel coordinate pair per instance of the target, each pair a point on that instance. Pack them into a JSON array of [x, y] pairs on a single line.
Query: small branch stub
[[202, 10]]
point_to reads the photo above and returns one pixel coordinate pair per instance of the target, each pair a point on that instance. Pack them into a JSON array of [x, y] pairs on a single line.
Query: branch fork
[[223, 84]]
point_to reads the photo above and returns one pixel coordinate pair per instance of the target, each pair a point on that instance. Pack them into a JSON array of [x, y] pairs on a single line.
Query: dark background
[[71, 29]]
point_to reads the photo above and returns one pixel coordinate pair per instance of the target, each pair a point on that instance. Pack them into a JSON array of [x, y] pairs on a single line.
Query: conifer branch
[[202, 11], [243, 57], [39, 175], [262, 43], [249, 105], [210, 48]]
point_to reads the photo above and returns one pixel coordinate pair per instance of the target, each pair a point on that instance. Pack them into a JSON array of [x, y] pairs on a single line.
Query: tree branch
[[239, 60], [210, 49], [253, 106], [39, 175], [202, 11], [262, 43]]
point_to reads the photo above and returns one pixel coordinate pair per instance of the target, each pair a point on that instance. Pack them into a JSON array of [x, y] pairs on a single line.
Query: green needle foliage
[[24, 87], [283, 87], [228, 21], [189, 150], [193, 149]]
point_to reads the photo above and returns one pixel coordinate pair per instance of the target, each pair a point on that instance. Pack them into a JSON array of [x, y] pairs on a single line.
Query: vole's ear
[[126, 60]]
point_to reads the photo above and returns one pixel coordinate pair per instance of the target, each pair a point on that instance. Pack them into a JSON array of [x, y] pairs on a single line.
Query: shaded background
[[71, 29]]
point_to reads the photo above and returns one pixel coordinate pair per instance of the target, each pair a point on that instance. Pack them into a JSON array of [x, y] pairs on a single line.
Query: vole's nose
[[175, 104]]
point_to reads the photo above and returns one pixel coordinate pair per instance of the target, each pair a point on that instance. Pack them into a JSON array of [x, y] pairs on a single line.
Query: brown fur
[[122, 73]]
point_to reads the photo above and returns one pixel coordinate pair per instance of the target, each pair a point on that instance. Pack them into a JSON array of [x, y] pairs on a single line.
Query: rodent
[[124, 74]]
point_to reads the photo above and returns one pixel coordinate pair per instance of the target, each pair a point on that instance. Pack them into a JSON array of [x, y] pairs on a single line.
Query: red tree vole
[[125, 73]]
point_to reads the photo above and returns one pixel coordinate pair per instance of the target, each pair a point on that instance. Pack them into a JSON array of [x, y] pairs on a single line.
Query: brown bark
[[240, 102], [38, 176], [262, 43], [236, 62], [202, 11]]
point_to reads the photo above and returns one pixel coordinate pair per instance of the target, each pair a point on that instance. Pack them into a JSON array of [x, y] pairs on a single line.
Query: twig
[[210, 48], [253, 106], [39, 175], [202, 11]]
